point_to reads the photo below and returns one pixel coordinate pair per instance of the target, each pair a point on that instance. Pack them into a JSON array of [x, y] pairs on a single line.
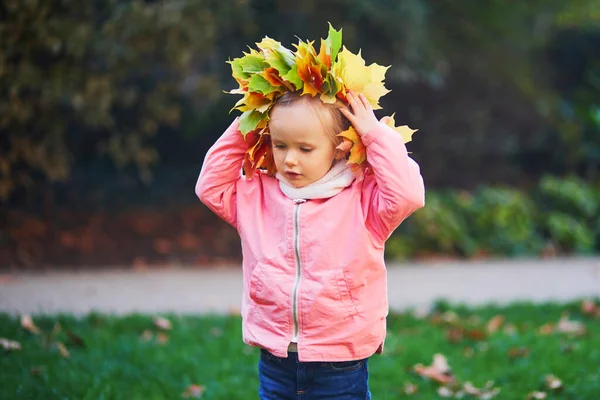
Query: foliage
[[563, 213], [571, 212], [104, 74]]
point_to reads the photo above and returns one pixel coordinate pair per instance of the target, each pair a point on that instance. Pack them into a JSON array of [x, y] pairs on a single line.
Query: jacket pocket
[[345, 294], [267, 293]]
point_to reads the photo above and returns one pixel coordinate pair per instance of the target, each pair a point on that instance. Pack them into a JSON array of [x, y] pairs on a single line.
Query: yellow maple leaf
[[358, 152], [403, 130], [350, 70]]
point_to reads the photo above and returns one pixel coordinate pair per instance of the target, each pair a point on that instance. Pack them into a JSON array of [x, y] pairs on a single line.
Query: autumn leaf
[[162, 323], [62, 349], [410, 388], [194, 391], [250, 121], [553, 383], [276, 55], [495, 323], [310, 70], [536, 395], [37, 370], [403, 130], [76, 339], [518, 352], [350, 70], [358, 152], [487, 392], [162, 338], [9, 345], [590, 308], [565, 325], [147, 335], [439, 371], [28, 324]]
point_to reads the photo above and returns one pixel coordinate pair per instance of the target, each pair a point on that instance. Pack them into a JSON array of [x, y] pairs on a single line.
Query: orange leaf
[[28, 324], [194, 391], [589, 307], [439, 371], [495, 323], [62, 350], [358, 152]]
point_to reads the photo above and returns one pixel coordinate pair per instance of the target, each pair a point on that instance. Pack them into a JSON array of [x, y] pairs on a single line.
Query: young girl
[[314, 280]]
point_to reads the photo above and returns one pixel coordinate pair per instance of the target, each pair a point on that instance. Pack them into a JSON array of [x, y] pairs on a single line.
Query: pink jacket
[[314, 268]]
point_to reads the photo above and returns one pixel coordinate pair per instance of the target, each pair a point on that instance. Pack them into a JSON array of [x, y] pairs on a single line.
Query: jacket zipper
[[296, 332]]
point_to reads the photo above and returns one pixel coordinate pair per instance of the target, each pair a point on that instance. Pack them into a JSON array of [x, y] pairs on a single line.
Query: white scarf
[[337, 179]]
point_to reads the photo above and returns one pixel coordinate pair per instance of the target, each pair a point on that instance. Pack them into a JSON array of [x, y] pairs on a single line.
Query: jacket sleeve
[[396, 190], [216, 186]]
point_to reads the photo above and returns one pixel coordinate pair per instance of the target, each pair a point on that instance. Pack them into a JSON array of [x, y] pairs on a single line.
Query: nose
[[290, 159]]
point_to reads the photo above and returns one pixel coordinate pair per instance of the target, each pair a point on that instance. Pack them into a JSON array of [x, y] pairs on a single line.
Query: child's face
[[302, 150]]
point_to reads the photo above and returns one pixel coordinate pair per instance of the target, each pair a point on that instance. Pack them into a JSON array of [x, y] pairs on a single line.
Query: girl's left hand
[[362, 117]]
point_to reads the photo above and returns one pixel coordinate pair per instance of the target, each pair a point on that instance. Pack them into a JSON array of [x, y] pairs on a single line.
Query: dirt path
[[219, 290]]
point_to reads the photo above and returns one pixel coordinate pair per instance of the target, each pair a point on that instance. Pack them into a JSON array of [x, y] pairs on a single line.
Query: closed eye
[[279, 146], [305, 150]]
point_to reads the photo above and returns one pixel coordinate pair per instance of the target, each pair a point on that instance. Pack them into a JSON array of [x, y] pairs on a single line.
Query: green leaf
[[253, 63], [334, 41], [292, 76], [250, 120], [259, 84], [237, 69], [278, 63]]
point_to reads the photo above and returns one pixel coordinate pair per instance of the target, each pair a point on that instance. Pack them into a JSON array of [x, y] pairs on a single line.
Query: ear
[[342, 150]]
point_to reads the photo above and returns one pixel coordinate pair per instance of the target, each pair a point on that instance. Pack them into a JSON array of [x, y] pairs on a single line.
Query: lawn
[[528, 351]]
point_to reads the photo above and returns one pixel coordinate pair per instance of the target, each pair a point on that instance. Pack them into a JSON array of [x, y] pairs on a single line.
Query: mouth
[[292, 175]]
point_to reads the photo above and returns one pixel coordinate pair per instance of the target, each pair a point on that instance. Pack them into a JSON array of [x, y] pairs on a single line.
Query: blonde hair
[[332, 119]]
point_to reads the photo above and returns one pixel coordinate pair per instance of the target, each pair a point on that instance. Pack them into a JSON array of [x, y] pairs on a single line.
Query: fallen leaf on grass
[[194, 391], [536, 395], [459, 391], [565, 325], [590, 308], [63, 350], [439, 371], [546, 329], [9, 345], [487, 392], [495, 323], [553, 383], [162, 338], [76, 339], [37, 370], [147, 335], [410, 388], [444, 391], [510, 329], [28, 324], [162, 323], [518, 352]]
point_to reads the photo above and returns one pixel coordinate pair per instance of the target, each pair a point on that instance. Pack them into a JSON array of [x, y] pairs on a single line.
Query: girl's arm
[[397, 189], [216, 186]]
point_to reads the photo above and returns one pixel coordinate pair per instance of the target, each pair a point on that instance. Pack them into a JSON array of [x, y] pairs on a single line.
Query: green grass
[[115, 363]]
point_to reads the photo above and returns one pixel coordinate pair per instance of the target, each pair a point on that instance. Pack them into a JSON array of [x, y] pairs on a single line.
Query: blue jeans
[[288, 378]]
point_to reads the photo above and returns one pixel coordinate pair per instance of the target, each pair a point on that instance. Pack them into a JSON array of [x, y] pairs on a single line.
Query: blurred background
[[107, 108]]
